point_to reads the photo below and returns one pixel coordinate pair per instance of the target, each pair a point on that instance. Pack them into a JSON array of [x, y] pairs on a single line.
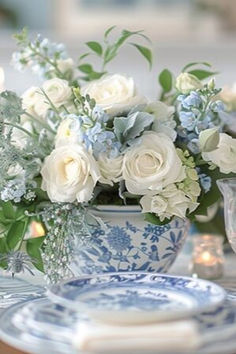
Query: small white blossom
[[170, 202], [224, 156], [185, 83]]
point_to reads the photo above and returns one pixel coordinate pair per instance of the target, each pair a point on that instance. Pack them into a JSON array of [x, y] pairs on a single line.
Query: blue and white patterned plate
[[217, 328], [13, 290], [137, 297]]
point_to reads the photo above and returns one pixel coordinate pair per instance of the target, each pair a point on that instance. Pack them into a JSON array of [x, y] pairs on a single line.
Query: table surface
[[180, 267], [5, 349]]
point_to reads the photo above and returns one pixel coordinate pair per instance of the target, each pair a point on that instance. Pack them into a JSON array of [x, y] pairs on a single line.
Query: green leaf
[[95, 75], [16, 233], [33, 247], [202, 74], [108, 31], [84, 56], [125, 34], [3, 251], [41, 195], [146, 52], [214, 195], [8, 210], [112, 50], [4, 220], [3, 245], [91, 74], [196, 63], [95, 46], [21, 37], [153, 219], [110, 53], [214, 226], [166, 80], [85, 68]]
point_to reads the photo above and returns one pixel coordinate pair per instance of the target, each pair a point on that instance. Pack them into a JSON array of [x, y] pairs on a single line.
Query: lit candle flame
[[207, 259], [206, 256]]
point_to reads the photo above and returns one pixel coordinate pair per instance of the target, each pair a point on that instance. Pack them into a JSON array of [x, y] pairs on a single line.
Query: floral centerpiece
[[87, 137]]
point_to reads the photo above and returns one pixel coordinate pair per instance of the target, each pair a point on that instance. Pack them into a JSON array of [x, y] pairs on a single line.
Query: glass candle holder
[[208, 257]]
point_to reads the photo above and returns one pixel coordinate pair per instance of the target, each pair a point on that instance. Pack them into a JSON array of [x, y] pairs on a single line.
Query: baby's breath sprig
[[68, 230], [41, 55]]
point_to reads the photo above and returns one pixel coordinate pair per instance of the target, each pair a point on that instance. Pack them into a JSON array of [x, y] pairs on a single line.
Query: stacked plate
[[124, 299], [14, 290]]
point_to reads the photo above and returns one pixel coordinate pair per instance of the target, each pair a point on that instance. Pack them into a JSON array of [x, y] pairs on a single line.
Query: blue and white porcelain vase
[[129, 243]]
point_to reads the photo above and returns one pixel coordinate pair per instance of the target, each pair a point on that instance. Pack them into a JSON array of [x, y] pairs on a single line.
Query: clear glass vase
[[227, 186]]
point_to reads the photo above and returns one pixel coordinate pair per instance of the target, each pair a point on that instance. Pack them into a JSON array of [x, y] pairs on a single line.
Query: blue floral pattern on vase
[[129, 243]]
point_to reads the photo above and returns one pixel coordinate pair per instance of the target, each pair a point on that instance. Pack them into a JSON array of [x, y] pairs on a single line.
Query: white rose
[[225, 155], [151, 164], [32, 99], [191, 189], [59, 93], [171, 202], [68, 132], [163, 122], [154, 204], [110, 168], [2, 79], [228, 96], [19, 138], [34, 102], [114, 93], [185, 83], [69, 173], [65, 65]]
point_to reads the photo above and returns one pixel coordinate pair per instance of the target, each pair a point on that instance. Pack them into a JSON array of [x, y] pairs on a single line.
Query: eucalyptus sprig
[[108, 50]]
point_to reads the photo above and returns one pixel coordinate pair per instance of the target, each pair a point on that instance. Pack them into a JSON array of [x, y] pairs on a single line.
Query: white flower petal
[[114, 93]]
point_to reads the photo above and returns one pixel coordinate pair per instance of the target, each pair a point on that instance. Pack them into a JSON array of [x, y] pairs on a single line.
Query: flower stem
[[49, 61], [20, 128], [23, 233], [43, 124]]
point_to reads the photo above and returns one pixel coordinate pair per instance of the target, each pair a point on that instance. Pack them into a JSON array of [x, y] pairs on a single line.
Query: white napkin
[[169, 337]]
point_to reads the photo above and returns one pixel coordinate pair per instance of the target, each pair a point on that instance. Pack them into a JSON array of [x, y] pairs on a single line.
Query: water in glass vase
[[227, 187]]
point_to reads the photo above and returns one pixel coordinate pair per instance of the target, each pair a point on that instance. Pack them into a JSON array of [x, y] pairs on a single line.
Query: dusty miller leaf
[[128, 128], [10, 106]]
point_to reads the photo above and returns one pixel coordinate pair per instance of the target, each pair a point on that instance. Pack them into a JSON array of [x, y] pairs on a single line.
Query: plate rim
[[20, 344], [79, 305], [31, 347]]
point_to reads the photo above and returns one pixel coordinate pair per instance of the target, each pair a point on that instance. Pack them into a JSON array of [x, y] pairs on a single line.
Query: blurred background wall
[[181, 31]]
